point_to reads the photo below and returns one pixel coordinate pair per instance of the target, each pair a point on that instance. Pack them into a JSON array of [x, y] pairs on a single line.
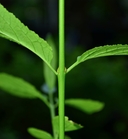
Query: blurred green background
[[89, 23]]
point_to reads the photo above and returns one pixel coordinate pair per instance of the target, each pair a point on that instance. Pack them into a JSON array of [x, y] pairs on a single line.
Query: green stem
[[52, 112], [61, 71]]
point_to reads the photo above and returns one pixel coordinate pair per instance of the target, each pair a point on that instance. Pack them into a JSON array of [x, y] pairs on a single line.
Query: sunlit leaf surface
[[101, 51], [11, 28], [86, 105], [19, 87], [39, 134]]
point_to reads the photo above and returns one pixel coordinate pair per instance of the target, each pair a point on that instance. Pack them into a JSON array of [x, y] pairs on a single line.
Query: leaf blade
[[19, 87], [50, 77], [69, 125], [86, 105], [11, 28], [39, 134], [108, 50], [101, 51]]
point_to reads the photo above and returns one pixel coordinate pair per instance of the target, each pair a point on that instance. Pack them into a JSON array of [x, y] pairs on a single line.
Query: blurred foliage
[[89, 24]]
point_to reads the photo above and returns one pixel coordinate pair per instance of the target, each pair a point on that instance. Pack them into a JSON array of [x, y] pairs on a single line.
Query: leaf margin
[[35, 93], [39, 131], [112, 50], [81, 104], [21, 31]]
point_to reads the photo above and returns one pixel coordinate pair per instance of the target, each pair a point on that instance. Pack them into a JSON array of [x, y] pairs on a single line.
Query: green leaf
[[11, 28], [69, 125], [50, 77], [18, 87], [86, 105], [107, 50], [39, 134]]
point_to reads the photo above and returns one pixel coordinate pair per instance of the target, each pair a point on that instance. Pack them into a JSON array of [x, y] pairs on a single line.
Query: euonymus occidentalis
[[12, 29]]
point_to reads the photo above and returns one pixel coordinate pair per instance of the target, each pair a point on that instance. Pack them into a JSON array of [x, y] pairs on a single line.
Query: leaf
[[69, 125], [11, 28], [50, 77], [107, 50], [39, 134], [18, 87], [86, 105]]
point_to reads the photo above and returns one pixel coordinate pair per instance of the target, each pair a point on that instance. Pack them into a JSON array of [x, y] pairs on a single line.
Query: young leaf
[[107, 50], [69, 125], [11, 28], [18, 87], [39, 134], [85, 105], [50, 77]]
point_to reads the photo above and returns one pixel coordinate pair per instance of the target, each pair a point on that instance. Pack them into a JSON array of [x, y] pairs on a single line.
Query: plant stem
[[52, 112], [61, 71]]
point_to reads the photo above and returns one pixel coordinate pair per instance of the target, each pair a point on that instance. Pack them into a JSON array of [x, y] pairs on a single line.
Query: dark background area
[[88, 23]]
